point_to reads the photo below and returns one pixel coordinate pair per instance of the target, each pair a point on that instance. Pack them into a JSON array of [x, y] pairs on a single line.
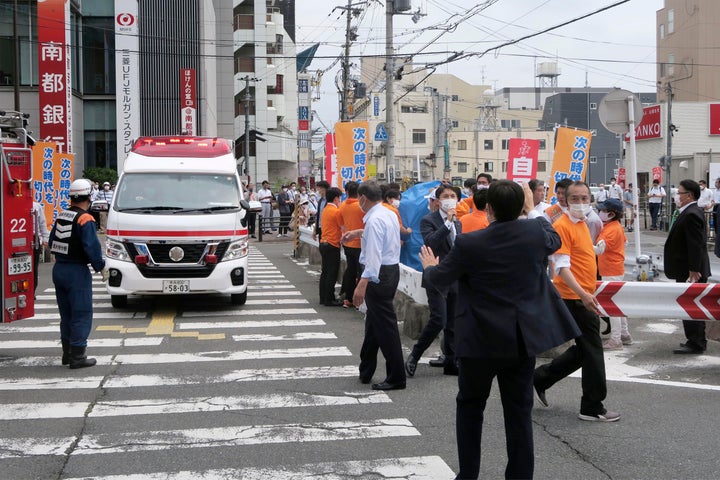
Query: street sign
[[613, 111], [380, 133]]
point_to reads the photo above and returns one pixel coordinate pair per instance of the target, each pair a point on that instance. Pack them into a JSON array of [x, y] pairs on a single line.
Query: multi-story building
[[687, 57], [223, 42]]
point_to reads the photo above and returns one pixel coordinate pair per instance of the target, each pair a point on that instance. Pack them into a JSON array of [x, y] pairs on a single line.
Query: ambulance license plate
[[176, 286], [19, 265]]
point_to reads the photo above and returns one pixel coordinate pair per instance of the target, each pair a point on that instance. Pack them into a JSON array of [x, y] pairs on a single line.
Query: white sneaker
[[279, 235], [608, 416], [612, 344], [626, 339]]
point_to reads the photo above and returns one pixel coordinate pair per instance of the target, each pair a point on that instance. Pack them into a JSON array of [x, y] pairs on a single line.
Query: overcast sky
[[615, 48]]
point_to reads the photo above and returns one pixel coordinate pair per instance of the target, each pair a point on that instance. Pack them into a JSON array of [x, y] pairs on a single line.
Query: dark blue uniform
[[74, 242]]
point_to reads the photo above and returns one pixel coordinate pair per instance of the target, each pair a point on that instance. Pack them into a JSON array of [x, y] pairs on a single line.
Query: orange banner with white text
[[572, 149], [52, 176], [351, 143]]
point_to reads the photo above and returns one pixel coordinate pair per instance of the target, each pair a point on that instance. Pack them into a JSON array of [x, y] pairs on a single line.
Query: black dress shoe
[[388, 386], [687, 350], [438, 362], [334, 304], [411, 365]]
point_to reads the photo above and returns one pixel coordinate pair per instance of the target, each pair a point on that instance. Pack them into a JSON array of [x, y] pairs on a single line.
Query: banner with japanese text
[[572, 148], [188, 102], [657, 174], [522, 159], [52, 176], [54, 81], [127, 77], [330, 159], [622, 177], [352, 152]]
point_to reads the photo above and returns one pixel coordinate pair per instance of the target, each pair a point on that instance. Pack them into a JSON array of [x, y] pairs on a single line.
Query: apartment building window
[[542, 166], [543, 144], [670, 65], [509, 124], [418, 135], [489, 167], [488, 144], [504, 145], [593, 106], [413, 108], [455, 124], [462, 145], [662, 31], [462, 167], [504, 166], [671, 21]]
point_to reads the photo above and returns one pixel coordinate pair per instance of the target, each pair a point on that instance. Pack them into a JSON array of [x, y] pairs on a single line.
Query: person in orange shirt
[[391, 201], [465, 206], [350, 218], [611, 264], [575, 268], [330, 248], [477, 220]]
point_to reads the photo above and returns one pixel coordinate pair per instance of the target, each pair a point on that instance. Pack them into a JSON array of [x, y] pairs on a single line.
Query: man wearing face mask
[[575, 269], [591, 218], [391, 201], [439, 231], [466, 205], [615, 190]]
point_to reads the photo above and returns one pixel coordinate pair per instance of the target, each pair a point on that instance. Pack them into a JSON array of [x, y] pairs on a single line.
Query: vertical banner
[[52, 176], [714, 119], [352, 152], [127, 77], [522, 159], [54, 72], [570, 160], [657, 174], [188, 102], [304, 134], [330, 159], [622, 177]]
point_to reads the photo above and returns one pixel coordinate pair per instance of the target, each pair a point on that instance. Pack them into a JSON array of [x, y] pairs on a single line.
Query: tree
[[101, 175]]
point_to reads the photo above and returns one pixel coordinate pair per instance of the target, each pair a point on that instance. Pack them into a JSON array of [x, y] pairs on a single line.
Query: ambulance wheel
[[238, 298], [118, 301]]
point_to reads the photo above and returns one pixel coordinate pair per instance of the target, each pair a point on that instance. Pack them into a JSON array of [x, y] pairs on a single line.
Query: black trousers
[[587, 353], [251, 222], [515, 379], [36, 264], [352, 272], [284, 222], [442, 317], [695, 329], [330, 257], [381, 328]]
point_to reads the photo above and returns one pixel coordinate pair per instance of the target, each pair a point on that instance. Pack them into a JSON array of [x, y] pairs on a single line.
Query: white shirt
[[380, 243], [716, 195], [706, 198], [265, 192], [656, 191], [615, 191], [601, 195]]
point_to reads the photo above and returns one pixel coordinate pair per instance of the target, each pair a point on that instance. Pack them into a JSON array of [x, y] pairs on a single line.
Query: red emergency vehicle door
[[17, 231]]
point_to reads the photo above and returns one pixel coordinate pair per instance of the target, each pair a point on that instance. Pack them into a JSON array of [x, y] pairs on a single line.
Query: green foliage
[[101, 174]]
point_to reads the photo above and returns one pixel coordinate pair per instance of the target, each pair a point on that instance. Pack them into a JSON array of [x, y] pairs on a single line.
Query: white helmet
[[80, 187]]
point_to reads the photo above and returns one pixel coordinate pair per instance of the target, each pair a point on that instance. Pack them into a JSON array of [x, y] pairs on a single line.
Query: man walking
[[265, 196], [510, 313], [75, 243], [686, 257]]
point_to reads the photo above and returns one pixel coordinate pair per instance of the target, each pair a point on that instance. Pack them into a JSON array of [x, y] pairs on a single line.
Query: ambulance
[[176, 223]]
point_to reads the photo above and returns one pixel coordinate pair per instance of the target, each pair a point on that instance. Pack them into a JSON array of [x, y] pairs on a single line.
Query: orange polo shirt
[[464, 207], [330, 219], [395, 211], [612, 261], [351, 217], [577, 243], [477, 220]]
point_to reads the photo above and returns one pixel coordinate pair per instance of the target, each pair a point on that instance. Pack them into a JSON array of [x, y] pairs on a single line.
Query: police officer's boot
[[78, 359], [66, 352]]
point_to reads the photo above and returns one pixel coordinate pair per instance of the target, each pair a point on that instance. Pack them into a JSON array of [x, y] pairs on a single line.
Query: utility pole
[[389, 84], [346, 68], [668, 158], [16, 87], [247, 98]]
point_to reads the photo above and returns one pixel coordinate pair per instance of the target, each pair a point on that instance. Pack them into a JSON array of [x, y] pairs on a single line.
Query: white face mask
[[106, 188], [579, 210], [605, 216], [395, 202], [676, 199], [448, 204], [482, 187]]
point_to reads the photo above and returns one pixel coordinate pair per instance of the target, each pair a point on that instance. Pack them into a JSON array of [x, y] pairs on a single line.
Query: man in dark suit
[[439, 230], [508, 312], [686, 257]]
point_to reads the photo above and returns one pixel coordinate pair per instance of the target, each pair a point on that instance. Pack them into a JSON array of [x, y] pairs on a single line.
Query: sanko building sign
[[649, 127]]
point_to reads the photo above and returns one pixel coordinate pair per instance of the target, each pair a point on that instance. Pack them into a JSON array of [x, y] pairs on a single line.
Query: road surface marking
[[252, 313], [290, 336], [251, 324], [92, 343]]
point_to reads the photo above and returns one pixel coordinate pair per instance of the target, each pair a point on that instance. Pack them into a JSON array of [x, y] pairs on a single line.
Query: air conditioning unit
[[416, 175], [381, 176]]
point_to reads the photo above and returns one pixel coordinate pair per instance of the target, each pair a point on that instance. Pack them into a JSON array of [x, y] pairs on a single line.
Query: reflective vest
[[67, 242]]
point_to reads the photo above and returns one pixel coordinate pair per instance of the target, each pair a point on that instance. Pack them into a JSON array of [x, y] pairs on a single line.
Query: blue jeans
[[654, 210]]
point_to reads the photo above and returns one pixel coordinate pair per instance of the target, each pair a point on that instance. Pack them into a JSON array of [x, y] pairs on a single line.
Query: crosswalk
[[261, 403]]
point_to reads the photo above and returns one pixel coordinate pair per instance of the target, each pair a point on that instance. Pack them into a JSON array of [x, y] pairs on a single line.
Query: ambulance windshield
[[177, 193]]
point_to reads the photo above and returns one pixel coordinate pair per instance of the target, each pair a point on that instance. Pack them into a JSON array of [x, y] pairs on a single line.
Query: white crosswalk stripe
[[152, 403]]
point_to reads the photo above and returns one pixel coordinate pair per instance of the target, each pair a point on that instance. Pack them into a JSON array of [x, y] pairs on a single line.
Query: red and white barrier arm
[[690, 301]]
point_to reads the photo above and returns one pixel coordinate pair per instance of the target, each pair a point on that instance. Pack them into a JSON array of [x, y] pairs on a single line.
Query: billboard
[[650, 126]]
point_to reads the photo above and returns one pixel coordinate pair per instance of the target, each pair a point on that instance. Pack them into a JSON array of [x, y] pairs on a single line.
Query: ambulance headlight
[[116, 250], [237, 249]]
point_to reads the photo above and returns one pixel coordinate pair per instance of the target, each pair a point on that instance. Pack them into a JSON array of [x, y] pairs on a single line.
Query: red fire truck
[[16, 217]]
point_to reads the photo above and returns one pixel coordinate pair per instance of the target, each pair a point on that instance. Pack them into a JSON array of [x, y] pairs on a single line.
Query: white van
[[176, 222]]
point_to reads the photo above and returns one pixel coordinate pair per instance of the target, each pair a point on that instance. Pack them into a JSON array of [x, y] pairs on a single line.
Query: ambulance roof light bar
[[181, 146]]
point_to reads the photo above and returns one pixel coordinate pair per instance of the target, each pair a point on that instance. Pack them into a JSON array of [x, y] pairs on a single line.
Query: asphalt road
[[193, 387]]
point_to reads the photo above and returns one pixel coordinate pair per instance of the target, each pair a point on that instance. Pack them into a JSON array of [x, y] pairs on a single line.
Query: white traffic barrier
[[691, 301]]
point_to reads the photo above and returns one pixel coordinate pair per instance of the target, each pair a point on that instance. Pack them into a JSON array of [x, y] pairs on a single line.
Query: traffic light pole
[[668, 158], [247, 98]]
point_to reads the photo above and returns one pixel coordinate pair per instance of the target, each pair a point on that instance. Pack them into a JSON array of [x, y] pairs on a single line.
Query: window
[[455, 98], [542, 144], [504, 145], [278, 88], [671, 21], [27, 33], [593, 106], [418, 135], [670, 70], [413, 108], [509, 124], [617, 162], [542, 166], [462, 145], [593, 132], [455, 124], [488, 144], [504, 166], [98, 50], [662, 31], [99, 133], [489, 167], [462, 167], [593, 159]]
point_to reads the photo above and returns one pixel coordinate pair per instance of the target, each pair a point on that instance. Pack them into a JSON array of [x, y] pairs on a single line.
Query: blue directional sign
[[380, 133]]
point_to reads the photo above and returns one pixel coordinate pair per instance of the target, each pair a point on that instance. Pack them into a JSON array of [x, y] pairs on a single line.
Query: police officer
[[74, 242]]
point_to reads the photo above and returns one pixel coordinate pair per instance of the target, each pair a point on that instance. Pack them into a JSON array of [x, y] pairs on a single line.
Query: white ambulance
[[176, 222]]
